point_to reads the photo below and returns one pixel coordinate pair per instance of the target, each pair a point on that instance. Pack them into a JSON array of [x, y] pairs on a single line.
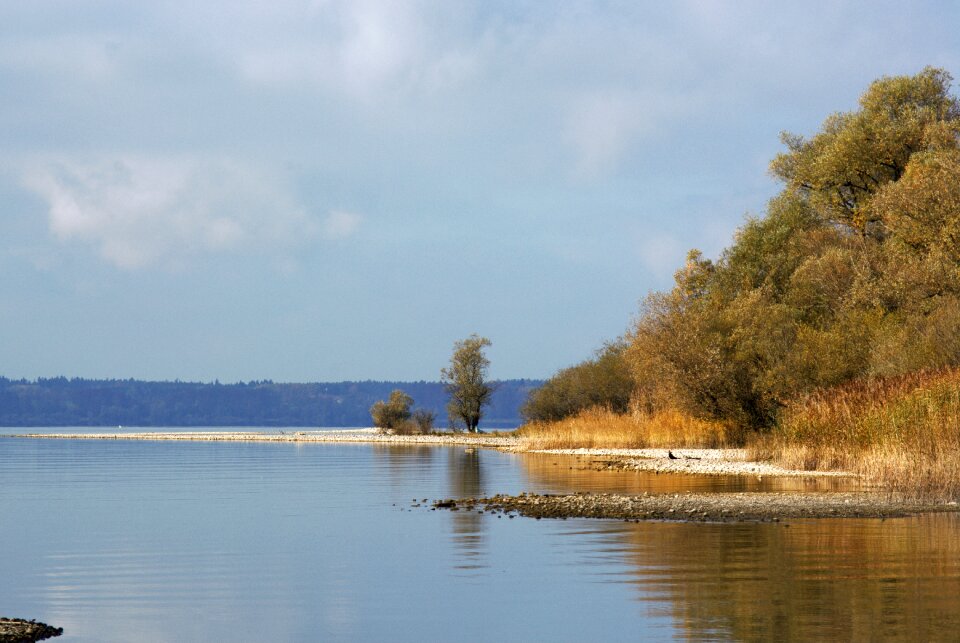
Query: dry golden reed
[[901, 432], [602, 428]]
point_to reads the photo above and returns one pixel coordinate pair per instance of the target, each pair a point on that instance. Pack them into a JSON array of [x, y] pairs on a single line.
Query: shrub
[[392, 414], [603, 381], [424, 419]]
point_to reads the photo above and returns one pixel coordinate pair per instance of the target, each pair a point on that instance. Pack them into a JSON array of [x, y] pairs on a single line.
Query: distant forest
[[80, 402]]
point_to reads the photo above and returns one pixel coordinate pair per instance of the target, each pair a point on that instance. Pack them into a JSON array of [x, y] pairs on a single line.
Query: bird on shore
[[671, 456]]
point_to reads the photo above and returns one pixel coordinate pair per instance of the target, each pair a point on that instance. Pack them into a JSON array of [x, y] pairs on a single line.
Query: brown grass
[[901, 432], [602, 428]]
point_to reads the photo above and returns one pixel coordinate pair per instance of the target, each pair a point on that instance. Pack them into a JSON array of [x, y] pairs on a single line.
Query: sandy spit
[[354, 435], [699, 461], [694, 461]]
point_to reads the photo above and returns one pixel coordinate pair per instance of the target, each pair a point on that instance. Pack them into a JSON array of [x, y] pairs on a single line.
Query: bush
[[603, 381], [393, 414], [423, 420]]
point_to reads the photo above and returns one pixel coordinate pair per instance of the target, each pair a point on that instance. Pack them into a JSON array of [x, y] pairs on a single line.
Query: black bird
[[671, 456]]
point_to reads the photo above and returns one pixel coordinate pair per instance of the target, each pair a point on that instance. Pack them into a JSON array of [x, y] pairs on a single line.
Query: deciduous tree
[[466, 382]]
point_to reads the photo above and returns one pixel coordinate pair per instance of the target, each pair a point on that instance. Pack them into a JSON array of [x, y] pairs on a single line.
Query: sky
[[324, 191]]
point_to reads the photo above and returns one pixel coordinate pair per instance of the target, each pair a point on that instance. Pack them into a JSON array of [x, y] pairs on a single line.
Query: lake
[[197, 541]]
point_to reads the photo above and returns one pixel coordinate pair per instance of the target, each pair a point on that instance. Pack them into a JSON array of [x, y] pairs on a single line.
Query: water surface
[[195, 541]]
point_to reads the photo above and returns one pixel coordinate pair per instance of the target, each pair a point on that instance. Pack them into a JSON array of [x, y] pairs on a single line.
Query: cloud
[[340, 225], [358, 49], [140, 211], [601, 126]]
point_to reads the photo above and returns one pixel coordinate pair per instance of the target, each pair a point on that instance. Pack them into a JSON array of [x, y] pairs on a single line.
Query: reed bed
[[902, 433], [600, 428]]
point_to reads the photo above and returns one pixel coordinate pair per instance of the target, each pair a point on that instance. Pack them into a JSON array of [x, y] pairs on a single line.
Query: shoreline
[[707, 462], [360, 436], [686, 507], [715, 462]]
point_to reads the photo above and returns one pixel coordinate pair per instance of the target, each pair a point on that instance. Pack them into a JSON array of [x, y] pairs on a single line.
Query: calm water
[[192, 541]]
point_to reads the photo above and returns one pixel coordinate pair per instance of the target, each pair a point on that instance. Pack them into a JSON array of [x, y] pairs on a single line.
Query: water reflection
[[209, 541], [466, 481], [831, 579], [547, 473], [812, 580]]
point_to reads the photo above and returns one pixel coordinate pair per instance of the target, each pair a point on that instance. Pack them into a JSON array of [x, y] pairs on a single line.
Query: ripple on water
[[292, 542]]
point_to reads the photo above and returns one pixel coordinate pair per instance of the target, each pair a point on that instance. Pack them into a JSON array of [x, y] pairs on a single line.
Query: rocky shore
[[698, 507], [16, 630]]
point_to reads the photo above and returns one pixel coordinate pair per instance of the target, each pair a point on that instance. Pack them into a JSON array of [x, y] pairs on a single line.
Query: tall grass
[[602, 428], [902, 432]]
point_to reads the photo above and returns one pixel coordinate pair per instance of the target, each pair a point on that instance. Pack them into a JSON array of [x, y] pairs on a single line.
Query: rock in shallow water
[[699, 507], [17, 630]]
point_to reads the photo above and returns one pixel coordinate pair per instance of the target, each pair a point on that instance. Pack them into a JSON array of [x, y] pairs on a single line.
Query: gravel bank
[[698, 461], [16, 630], [697, 507]]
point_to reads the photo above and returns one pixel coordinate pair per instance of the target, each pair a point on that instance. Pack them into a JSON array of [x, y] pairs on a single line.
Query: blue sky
[[307, 191]]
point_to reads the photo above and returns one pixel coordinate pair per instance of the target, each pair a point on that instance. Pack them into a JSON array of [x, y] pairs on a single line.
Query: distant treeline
[[81, 402]]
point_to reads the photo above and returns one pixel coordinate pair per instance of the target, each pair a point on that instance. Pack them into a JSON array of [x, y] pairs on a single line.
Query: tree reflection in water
[[466, 481], [829, 579]]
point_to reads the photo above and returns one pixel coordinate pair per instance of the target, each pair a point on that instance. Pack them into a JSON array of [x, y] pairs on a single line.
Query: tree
[[603, 381], [394, 413], [465, 382], [855, 154]]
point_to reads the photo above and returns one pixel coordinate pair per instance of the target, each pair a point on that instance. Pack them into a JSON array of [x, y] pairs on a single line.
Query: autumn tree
[[856, 153], [466, 382], [853, 271]]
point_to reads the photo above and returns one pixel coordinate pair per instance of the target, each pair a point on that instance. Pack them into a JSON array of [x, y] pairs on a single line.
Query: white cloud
[[361, 49], [340, 225], [601, 126], [139, 211]]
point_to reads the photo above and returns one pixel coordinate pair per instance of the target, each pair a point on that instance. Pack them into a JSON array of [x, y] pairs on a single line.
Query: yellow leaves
[[857, 153], [922, 209]]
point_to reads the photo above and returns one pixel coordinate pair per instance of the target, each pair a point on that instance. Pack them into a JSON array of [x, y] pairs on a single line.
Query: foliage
[[604, 381], [392, 414], [423, 420], [854, 270], [466, 382], [857, 153]]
